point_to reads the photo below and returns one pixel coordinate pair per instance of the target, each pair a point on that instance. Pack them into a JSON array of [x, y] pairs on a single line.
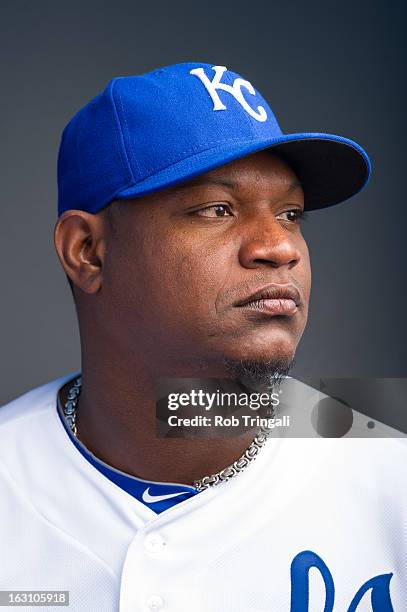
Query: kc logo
[[235, 90], [379, 587]]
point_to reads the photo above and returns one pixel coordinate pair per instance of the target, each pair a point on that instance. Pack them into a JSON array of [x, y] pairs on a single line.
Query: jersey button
[[155, 602], [154, 543]]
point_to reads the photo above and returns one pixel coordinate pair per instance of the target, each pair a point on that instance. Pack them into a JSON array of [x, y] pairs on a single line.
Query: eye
[[215, 210], [294, 215]]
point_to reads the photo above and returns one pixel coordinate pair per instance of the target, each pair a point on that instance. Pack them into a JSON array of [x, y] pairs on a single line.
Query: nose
[[267, 243]]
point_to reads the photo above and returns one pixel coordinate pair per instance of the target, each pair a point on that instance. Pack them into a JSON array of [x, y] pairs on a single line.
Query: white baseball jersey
[[313, 525]]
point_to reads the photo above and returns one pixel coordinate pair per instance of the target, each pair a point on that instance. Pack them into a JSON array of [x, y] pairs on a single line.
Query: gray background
[[324, 66]]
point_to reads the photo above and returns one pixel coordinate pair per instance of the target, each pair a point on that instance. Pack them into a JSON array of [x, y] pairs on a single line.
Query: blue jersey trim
[[132, 485]]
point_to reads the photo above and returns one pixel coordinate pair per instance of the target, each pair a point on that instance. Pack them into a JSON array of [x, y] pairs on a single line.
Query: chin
[[262, 360], [278, 347]]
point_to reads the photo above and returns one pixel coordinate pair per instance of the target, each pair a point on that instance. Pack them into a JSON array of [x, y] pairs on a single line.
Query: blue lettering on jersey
[[300, 567]]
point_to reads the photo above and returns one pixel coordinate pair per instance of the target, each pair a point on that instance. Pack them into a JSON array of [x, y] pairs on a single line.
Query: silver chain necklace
[[227, 473]]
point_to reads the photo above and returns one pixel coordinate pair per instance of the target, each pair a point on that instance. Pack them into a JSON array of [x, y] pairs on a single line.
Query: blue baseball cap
[[150, 132]]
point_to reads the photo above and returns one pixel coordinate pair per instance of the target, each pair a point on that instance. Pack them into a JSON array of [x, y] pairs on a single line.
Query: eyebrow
[[228, 183]]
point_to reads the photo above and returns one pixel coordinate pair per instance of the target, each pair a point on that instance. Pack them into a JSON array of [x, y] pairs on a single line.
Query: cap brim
[[331, 168]]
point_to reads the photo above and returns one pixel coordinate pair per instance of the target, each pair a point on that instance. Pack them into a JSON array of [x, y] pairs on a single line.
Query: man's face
[[181, 265]]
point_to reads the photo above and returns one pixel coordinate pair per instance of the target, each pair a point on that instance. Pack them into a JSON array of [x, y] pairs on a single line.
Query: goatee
[[256, 373]]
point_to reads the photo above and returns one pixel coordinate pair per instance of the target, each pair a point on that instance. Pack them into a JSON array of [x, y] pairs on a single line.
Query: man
[[180, 205]]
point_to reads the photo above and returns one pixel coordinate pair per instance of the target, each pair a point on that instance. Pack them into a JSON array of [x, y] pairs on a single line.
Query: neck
[[116, 421]]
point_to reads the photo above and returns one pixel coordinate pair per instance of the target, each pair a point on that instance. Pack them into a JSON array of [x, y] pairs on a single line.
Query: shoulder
[[30, 443], [18, 411], [27, 425], [361, 461]]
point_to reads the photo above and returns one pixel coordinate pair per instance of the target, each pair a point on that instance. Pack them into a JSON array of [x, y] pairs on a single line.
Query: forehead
[[260, 173]]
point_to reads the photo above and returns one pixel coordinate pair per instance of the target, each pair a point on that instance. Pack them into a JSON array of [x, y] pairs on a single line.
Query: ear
[[80, 242]]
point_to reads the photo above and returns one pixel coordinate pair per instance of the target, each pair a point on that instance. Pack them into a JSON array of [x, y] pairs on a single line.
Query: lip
[[273, 299]]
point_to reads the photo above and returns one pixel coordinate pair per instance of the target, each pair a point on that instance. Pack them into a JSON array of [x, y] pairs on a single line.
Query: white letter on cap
[[235, 90]]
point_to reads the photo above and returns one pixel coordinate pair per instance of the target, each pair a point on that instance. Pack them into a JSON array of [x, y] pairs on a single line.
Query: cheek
[[303, 277], [306, 270], [192, 273], [173, 280]]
